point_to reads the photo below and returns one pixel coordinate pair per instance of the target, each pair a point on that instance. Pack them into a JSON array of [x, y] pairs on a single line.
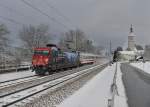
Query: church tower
[[131, 40]]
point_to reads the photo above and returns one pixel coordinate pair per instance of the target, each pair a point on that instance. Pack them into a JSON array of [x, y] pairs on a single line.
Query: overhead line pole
[[76, 40], [110, 51]]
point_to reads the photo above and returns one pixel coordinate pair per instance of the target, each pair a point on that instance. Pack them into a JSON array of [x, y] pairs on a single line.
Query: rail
[[53, 84]]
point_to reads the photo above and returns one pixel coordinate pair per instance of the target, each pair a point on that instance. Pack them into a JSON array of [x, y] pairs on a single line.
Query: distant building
[[147, 52], [133, 50], [131, 40], [127, 55]]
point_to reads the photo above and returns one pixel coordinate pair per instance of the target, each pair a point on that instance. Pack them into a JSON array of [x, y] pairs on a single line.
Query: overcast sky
[[102, 20]]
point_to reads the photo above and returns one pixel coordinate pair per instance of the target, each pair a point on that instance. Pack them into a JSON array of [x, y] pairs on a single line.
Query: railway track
[[11, 88], [18, 81], [18, 96]]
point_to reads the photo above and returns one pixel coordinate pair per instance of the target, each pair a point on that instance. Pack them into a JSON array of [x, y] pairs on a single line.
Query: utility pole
[[110, 51], [110, 48], [76, 41]]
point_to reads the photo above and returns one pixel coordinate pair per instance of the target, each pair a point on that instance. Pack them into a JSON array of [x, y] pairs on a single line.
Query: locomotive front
[[40, 60]]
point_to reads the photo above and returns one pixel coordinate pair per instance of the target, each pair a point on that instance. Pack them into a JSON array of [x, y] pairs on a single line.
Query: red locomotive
[[51, 58]]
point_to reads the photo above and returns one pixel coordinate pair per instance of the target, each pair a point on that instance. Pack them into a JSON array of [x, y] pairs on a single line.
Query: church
[[131, 52], [131, 40]]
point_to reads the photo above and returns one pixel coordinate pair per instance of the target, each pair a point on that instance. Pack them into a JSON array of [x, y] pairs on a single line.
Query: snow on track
[[15, 75], [18, 81], [95, 93], [26, 93]]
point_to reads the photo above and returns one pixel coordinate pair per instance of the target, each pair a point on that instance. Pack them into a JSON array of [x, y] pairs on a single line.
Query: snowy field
[[143, 66], [14, 75], [97, 91]]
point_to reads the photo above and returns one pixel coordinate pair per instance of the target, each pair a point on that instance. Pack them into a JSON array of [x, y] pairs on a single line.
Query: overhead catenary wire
[[24, 16], [43, 13], [11, 20], [13, 10], [50, 5]]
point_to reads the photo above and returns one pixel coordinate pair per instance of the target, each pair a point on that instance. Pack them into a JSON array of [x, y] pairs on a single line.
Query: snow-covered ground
[[22, 94], [15, 75], [97, 91], [143, 66], [120, 100]]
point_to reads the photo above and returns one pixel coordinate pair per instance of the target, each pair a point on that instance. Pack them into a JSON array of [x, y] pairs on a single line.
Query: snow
[[127, 52], [143, 66], [15, 75], [22, 94], [120, 102], [95, 93], [120, 99]]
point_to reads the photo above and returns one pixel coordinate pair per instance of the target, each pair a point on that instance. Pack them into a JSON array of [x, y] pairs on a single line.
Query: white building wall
[[131, 42]]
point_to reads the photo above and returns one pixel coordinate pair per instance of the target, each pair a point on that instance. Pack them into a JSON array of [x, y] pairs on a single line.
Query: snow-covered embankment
[[120, 99], [97, 91], [143, 66]]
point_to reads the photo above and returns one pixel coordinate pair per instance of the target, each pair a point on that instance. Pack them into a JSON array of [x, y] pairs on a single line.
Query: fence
[[14, 58]]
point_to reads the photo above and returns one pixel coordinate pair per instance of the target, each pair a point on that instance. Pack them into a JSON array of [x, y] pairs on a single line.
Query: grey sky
[[102, 20]]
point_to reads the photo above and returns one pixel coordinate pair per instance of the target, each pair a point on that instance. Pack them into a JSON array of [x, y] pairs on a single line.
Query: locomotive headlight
[[46, 60], [34, 60]]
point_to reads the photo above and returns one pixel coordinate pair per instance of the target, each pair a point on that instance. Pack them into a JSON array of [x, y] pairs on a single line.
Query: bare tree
[[80, 40], [119, 48], [35, 36], [3, 36], [43, 35], [62, 43], [72, 40], [76, 40], [139, 47]]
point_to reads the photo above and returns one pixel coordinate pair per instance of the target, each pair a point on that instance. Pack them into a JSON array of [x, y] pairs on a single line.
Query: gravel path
[[51, 99]]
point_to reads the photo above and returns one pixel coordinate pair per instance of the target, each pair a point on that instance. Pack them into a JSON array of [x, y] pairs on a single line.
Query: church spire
[[131, 29], [131, 40]]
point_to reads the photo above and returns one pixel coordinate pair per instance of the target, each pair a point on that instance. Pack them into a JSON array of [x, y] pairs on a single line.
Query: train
[[51, 58]]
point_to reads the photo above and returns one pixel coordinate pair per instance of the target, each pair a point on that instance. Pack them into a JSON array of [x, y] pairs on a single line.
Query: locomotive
[[51, 58]]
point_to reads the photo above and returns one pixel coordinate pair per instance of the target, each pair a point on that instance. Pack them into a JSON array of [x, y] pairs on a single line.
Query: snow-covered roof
[[127, 52]]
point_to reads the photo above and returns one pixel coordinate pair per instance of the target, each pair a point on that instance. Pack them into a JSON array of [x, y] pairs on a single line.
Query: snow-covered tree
[[3, 36]]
